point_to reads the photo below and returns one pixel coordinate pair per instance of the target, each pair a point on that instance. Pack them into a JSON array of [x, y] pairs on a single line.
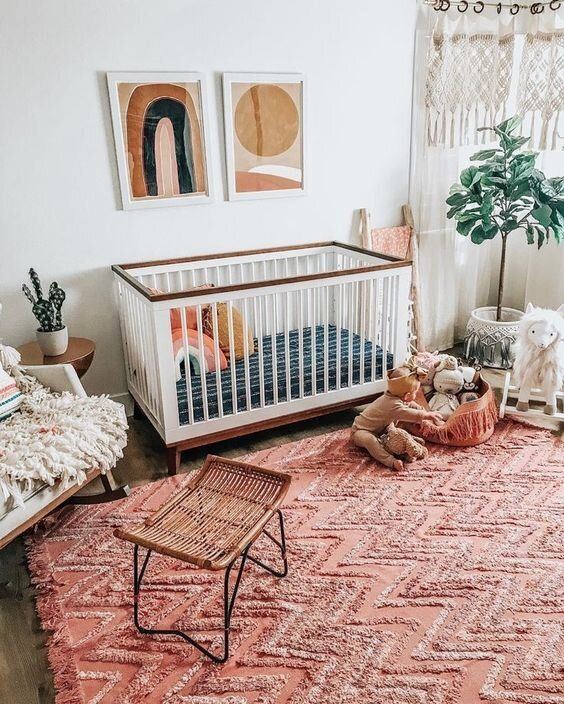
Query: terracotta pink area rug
[[439, 585]]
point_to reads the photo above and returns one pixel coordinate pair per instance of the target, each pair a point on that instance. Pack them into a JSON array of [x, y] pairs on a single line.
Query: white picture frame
[[129, 156], [235, 87]]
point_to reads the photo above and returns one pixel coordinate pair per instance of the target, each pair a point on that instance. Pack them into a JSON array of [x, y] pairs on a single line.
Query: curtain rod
[[535, 8]]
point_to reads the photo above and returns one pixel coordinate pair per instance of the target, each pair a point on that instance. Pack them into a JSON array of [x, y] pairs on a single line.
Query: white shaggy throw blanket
[[57, 437]]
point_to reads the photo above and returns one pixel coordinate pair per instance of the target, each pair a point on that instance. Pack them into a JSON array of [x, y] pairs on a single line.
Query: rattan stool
[[212, 523]]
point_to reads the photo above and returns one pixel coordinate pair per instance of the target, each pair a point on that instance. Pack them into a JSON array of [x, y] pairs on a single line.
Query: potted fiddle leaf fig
[[504, 195], [52, 334]]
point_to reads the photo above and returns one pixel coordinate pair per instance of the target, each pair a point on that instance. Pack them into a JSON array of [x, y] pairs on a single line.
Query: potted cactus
[[52, 334]]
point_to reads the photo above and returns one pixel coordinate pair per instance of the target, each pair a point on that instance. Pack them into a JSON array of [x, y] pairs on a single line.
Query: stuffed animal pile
[[447, 384]]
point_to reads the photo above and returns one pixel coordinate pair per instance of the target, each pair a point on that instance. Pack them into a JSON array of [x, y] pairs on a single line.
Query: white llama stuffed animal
[[539, 360]]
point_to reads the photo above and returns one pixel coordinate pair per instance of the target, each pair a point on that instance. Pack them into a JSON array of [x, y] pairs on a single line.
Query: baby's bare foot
[[397, 465]]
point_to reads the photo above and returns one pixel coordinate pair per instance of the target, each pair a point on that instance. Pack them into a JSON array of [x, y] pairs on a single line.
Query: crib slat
[[374, 314], [326, 341], [286, 303], [123, 293], [384, 324], [313, 344], [257, 300], [300, 297], [142, 369], [202, 363], [246, 355], [362, 330], [339, 328], [274, 328], [352, 297], [187, 369], [394, 318], [218, 382], [229, 305]]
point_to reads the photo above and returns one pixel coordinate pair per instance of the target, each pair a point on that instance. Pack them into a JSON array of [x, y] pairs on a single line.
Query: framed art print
[[264, 116], [161, 136]]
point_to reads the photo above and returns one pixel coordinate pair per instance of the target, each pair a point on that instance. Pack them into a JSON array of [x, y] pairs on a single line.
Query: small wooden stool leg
[[172, 460]]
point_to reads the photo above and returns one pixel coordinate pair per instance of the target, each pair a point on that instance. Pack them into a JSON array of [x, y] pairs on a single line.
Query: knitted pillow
[[240, 329], [10, 397]]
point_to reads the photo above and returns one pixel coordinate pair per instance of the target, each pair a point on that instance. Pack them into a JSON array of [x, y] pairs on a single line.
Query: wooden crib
[[228, 344]]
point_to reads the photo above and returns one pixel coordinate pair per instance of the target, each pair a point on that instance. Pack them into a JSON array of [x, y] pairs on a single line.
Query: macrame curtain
[[541, 85], [473, 71]]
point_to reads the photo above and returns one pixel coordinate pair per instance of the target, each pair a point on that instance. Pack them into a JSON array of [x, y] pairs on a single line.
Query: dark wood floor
[[25, 677]]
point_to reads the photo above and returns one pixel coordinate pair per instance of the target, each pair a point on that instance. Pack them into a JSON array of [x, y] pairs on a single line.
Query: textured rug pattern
[[443, 584]]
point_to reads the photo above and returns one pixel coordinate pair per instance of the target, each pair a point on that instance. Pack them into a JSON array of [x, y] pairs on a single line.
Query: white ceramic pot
[[53, 343], [490, 342]]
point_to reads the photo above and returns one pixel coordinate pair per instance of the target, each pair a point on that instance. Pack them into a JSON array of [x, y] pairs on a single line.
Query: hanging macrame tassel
[[544, 134], [466, 126], [555, 131]]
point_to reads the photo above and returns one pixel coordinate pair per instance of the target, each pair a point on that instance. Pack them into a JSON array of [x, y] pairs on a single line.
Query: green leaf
[[492, 167], [557, 182], [520, 189], [510, 225], [484, 154], [510, 125], [453, 211], [464, 227], [516, 143], [457, 199], [558, 233], [477, 235], [487, 208], [472, 215], [541, 237], [493, 181], [543, 215], [490, 231], [470, 176]]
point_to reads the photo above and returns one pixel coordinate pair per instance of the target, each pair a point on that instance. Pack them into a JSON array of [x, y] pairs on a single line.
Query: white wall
[[59, 200]]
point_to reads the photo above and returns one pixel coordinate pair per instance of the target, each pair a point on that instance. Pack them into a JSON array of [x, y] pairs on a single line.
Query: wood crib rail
[[122, 270]]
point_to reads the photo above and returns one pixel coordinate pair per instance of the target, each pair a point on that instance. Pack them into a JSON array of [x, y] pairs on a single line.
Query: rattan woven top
[[221, 511]]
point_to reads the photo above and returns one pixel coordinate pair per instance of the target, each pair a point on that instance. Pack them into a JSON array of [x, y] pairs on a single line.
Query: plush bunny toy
[[447, 383]]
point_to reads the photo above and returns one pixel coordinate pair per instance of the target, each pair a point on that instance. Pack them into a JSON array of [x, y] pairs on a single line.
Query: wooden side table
[[80, 353]]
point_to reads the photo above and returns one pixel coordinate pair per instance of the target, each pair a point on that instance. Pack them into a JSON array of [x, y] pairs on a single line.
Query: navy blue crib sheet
[[361, 354]]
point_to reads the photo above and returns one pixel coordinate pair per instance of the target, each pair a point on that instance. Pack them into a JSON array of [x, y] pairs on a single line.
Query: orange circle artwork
[[266, 120]]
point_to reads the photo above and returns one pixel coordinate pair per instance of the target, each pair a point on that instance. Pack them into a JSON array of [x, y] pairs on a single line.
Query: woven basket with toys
[[462, 397]]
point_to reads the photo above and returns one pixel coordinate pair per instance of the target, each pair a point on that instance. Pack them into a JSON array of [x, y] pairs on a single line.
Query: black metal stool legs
[[281, 544], [228, 600]]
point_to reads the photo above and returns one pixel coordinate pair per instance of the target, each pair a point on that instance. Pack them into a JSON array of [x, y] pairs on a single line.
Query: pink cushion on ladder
[[393, 241]]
